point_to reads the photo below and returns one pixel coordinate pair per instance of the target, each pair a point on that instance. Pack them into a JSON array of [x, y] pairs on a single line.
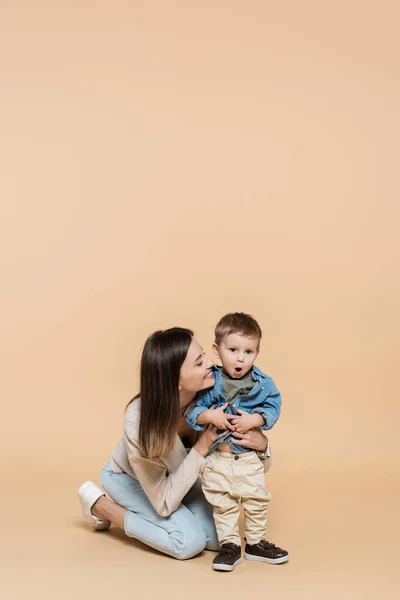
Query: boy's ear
[[215, 349]]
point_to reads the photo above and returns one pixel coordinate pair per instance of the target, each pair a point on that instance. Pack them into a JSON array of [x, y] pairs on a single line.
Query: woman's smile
[[209, 374]]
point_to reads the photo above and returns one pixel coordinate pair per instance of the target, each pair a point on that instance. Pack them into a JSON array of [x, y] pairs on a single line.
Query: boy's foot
[[266, 552], [228, 558]]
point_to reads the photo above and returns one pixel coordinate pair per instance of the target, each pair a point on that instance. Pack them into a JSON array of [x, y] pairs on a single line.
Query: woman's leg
[[180, 535], [196, 502], [107, 509]]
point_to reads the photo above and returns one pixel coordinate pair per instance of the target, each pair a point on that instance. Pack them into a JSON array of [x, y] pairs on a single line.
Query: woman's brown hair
[[163, 355]]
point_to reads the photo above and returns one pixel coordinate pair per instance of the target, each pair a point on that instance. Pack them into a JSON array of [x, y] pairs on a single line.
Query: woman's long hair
[[163, 355]]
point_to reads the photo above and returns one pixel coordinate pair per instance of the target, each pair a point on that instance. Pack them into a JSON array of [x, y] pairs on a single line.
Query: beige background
[[163, 163]]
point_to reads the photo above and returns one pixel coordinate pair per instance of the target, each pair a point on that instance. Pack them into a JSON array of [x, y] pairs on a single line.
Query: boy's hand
[[216, 417], [246, 421]]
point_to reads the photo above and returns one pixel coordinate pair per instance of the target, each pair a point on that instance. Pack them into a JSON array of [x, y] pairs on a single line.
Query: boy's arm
[[270, 409], [204, 401]]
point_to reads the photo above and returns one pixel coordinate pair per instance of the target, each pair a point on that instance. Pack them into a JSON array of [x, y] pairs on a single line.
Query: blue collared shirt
[[264, 398]]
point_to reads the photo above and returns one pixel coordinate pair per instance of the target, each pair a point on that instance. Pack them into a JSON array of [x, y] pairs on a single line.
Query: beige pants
[[230, 480]]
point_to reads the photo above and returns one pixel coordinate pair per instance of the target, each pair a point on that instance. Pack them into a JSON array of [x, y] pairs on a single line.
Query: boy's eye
[[232, 349], [249, 351]]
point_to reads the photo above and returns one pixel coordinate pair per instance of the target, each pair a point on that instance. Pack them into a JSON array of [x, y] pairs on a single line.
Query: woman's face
[[196, 371]]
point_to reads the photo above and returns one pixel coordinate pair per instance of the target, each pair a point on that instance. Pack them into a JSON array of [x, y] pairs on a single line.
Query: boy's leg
[[217, 488], [226, 519], [255, 498], [197, 503], [255, 502], [255, 511]]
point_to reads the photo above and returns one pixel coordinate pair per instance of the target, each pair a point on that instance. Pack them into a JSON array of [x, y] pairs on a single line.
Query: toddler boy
[[242, 398]]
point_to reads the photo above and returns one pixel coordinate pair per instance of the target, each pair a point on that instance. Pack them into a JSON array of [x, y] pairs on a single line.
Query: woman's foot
[[266, 552], [89, 493]]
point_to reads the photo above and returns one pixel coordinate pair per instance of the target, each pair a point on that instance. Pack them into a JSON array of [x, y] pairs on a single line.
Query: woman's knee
[[213, 544], [190, 544]]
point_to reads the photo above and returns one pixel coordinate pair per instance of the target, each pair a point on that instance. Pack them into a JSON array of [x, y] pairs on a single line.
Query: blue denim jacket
[[264, 398]]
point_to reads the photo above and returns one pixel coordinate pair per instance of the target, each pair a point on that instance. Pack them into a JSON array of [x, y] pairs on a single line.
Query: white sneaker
[[89, 493]]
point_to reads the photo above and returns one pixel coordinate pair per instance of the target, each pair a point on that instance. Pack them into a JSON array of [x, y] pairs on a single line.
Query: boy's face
[[237, 354]]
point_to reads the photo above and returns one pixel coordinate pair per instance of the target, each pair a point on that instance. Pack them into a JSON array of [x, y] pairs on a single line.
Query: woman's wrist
[[201, 448], [263, 445]]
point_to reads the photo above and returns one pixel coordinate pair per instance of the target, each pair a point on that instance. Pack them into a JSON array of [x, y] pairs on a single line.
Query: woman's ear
[[215, 350]]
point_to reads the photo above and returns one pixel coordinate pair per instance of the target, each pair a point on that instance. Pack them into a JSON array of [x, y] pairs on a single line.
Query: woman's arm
[[166, 490]]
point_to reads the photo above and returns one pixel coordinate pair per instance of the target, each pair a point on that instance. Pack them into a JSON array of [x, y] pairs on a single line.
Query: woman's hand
[[254, 439], [207, 438]]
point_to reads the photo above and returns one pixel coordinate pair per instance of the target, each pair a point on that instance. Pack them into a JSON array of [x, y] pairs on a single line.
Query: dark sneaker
[[228, 558], [266, 552]]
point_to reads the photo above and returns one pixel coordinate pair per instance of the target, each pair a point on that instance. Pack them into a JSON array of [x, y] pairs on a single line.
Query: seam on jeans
[[143, 540], [181, 534]]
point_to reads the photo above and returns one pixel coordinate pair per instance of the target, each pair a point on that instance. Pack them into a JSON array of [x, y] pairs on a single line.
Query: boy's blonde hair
[[239, 323]]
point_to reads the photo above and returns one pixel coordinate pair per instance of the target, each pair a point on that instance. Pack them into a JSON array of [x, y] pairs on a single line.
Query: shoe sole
[[227, 567], [271, 561]]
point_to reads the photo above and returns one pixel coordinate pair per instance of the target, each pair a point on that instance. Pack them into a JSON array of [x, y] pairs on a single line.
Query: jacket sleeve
[[270, 409], [204, 401]]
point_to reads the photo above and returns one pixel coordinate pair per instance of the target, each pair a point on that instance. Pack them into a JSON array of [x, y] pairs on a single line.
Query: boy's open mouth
[[238, 370]]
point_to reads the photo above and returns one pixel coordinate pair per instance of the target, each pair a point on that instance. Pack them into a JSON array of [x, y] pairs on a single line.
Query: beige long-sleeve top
[[166, 480]]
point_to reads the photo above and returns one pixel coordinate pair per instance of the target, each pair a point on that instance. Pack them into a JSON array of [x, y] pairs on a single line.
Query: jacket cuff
[[191, 419], [265, 417]]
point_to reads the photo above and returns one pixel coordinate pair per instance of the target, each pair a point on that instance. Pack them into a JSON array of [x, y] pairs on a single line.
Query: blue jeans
[[185, 533]]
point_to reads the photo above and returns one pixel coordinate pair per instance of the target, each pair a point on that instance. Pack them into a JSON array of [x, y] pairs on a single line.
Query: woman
[[152, 478]]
